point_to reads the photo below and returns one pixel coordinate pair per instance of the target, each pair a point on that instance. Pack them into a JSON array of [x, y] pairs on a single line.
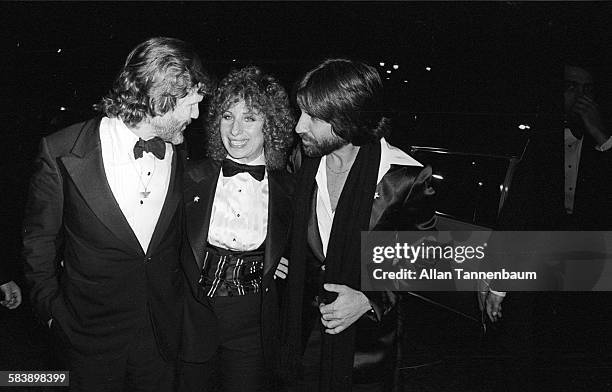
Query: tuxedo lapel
[[279, 212], [171, 202], [86, 170], [199, 194], [388, 193]]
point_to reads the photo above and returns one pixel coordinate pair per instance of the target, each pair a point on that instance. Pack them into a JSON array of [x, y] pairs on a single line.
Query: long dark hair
[[348, 95]]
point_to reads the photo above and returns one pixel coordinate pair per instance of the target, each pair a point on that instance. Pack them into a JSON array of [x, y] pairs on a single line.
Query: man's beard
[[168, 129], [317, 148]]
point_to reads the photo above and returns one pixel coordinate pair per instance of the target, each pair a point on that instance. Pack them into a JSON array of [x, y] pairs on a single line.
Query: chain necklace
[[337, 172], [145, 192]]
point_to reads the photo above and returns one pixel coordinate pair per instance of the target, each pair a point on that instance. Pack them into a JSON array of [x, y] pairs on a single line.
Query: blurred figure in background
[[587, 158], [565, 187], [561, 184]]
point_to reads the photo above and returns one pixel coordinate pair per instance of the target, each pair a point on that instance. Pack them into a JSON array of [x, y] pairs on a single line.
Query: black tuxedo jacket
[[537, 195], [593, 197], [108, 287], [200, 337], [405, 202]]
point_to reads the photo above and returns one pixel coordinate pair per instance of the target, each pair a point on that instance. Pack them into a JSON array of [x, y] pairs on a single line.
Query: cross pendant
[[145, 194]]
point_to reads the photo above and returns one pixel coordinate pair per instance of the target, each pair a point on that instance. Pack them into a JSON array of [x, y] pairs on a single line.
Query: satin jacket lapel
[[279, 213], [199, 194], [173, 197], [389, 190], [86, 169]]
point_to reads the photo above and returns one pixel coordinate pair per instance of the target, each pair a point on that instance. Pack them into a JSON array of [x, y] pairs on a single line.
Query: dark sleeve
[[42, 232], [382, 302], [4, 273], [417, 212]]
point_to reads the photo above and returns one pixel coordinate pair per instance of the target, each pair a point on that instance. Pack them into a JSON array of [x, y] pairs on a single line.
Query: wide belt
[[229, 273]]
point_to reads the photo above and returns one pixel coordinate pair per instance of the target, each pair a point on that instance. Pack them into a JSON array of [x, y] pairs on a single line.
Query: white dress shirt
[[573, 149], [239, 216], [389, 155], [128, 177]]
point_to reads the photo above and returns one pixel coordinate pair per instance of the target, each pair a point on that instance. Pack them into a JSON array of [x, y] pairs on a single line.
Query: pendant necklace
[[145, 192], [337, 172]]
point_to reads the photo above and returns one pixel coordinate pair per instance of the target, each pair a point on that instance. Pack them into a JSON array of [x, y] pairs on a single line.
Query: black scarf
[[344, 265]]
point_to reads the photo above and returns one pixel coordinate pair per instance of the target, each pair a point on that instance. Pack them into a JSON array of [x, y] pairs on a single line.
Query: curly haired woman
[[237, 209]]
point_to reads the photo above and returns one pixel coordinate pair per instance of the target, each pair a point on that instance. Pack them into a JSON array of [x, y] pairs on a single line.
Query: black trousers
[[139, 368], [311, 363], [238, 365]]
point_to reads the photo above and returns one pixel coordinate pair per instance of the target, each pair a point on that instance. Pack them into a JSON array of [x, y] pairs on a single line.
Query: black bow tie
[[231, 168], [155, 146]]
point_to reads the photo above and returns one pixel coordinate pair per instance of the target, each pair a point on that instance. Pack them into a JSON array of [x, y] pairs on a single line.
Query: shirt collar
[[126, 139], [260, 160], [569, 136], [390, 155]]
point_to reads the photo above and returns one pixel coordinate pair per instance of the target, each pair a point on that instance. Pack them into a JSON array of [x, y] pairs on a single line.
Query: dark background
[[494, 65]]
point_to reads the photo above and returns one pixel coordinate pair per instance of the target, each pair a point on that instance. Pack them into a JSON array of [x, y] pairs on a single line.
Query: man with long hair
[[351, 180], [102, 226]]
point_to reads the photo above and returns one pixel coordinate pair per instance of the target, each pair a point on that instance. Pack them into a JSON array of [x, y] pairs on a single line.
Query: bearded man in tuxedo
[[102, 225]]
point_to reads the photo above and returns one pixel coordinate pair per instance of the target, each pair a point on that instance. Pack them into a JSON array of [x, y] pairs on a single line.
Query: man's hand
[[588, 110], [348, 307], [492, 304], [283, 269], [11, 295]]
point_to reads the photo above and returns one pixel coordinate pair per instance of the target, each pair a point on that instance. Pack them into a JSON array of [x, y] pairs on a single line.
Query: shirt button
[[238, 215], [239, 190], [233, 239], [267, 289], [323, 267], [147, 259]]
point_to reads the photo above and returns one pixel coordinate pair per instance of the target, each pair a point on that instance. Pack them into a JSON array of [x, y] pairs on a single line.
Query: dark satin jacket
[[403, 201], [200, 337]]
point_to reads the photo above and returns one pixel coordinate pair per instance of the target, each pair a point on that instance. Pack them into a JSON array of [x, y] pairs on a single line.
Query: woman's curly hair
[[262, 93], [155, 75]]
